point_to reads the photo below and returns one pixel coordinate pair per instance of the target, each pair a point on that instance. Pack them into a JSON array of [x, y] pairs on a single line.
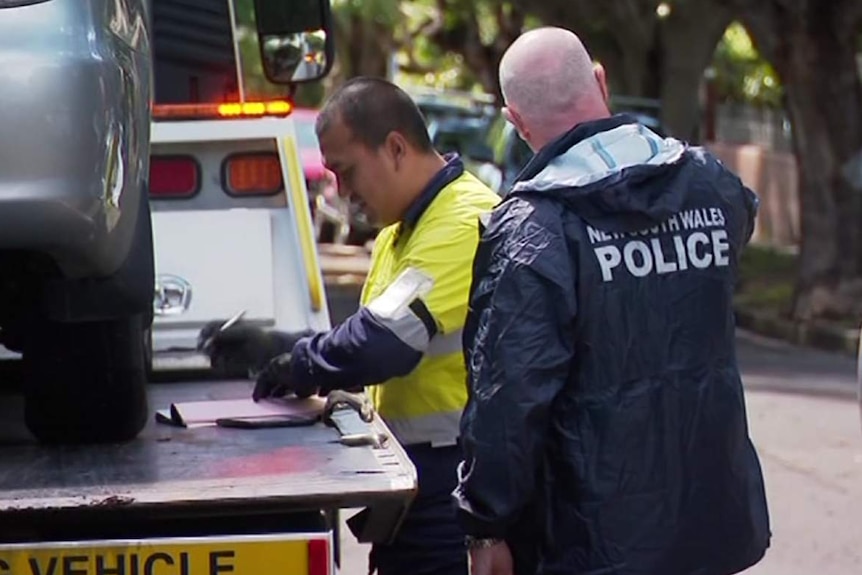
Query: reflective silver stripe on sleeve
[[410, 285], [392, 308], [445, 343], [413, 331], [439, 429], [408, 328]]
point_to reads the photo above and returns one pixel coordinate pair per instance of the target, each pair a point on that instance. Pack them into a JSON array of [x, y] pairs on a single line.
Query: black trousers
[[430, 541]]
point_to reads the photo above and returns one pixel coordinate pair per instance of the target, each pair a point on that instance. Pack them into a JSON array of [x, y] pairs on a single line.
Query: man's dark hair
[[372, 108]]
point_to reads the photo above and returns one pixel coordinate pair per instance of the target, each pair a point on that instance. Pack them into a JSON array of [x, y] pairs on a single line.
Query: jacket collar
[[574, 136], [453, 170]]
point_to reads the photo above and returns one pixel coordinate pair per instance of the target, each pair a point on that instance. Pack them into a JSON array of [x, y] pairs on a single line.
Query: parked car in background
[[506, 155], [647, 111], [460, 135], [316, 175], [440, 104], [459, 122]]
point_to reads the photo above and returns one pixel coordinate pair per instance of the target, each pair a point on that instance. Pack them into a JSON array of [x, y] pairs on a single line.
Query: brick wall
[[773, 176]]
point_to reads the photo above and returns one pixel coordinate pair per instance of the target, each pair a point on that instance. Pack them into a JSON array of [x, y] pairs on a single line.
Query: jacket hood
[[615, 173]]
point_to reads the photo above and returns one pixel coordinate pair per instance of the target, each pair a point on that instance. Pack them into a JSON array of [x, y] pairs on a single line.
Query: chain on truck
[[150, 142]]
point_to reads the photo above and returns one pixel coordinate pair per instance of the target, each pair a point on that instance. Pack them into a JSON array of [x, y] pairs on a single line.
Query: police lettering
[[157, 563], [655, 251], [686, 220]]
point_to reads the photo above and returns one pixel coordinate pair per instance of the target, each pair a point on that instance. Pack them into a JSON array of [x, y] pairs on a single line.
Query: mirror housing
[[295, 38]]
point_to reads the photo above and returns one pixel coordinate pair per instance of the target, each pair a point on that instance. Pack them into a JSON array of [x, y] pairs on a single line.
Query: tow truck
[[196, 500], [231, 219]]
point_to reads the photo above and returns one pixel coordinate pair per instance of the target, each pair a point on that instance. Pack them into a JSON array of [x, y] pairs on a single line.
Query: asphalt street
[[805, 422]]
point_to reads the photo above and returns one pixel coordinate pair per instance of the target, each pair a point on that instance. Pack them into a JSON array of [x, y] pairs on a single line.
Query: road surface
[[806, 425]]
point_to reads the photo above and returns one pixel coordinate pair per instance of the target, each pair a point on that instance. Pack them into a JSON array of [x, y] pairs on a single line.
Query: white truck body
[[217, 254]]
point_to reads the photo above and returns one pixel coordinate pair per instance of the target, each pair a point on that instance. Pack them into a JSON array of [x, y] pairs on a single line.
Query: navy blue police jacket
[[606, 429]]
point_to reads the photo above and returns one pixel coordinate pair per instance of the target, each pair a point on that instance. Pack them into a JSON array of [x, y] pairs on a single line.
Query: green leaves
[[741, 74]]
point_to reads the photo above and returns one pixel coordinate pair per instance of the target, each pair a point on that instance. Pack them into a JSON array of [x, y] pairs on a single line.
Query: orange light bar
[[225, 110]]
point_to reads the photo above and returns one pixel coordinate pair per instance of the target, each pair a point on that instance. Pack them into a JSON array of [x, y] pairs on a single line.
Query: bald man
[[606, 428]]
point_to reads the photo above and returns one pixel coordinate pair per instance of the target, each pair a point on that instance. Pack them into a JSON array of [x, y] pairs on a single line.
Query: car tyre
[[86, 382]]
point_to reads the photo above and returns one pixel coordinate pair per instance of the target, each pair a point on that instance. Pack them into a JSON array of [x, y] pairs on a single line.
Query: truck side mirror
[[296, 41]]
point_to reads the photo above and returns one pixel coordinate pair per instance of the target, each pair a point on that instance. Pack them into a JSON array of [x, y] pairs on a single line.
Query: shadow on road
[[770, 365]]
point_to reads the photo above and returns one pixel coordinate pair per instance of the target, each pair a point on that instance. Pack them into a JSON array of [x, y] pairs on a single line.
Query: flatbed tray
[[177, 470]]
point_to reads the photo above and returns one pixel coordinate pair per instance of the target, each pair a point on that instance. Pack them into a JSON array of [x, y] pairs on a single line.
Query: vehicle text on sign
[[156, 563], [241, 555]]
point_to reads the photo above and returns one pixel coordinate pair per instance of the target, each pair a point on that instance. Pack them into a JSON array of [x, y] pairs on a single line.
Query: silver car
[[76, 288]]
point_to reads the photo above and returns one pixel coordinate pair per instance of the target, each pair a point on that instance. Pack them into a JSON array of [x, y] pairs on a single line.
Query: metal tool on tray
[[351, 413]]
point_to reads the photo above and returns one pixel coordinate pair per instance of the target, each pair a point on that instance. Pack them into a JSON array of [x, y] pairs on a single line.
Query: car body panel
[[74, 86]]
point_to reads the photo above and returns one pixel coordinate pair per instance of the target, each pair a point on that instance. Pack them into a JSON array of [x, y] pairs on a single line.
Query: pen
[[204, 346]]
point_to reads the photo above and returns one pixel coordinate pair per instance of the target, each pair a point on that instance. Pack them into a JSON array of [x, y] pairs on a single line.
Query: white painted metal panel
[[248, 258], [225, 257]]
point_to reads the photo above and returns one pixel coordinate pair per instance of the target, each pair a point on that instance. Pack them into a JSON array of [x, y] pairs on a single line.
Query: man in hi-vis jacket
[[404, 342]]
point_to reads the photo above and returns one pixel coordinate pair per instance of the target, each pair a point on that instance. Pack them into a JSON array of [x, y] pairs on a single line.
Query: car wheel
[[86, 382]]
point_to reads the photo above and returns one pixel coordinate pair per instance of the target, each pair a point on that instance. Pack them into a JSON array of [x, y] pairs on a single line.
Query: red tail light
[[318, 557], [257, 174], [173, 177]]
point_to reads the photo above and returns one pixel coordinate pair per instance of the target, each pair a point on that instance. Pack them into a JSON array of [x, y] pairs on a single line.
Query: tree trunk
[[362, 48], [823, 102], [814, 52], [687, 50], [369, 53], [462, 35]]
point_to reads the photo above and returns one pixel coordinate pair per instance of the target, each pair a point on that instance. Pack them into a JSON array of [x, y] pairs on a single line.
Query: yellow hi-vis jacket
[[425, 405]]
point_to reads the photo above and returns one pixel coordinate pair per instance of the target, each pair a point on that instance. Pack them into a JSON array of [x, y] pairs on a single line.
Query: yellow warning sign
[[247, 555]]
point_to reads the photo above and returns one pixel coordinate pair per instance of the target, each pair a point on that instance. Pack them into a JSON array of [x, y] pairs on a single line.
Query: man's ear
[[396, 147], [515, 119], [602, 80]]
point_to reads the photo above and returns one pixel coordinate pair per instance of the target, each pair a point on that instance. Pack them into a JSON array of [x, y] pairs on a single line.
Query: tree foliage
[[457, 44], [467, 37], [813, 47], [741, 75], [800, 54]]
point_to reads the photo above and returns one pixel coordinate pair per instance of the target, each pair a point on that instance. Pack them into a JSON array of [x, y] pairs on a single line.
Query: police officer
[[405, 340], [606, 428]]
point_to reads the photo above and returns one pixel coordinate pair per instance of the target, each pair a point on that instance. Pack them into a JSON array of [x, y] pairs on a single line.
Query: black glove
[[243, 348], [275, 380]]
